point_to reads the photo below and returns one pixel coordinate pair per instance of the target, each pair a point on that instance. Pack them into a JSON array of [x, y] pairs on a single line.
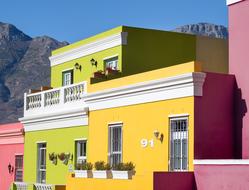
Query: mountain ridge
[[24, 63]]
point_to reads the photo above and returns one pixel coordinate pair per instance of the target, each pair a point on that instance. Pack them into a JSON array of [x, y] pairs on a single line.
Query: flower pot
[[100, 174], [82, 173], [122, 174]]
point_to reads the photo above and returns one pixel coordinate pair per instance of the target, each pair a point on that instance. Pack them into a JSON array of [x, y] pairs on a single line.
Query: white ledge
[[230, 2], [222, 162], [185, 85], [90, 48]]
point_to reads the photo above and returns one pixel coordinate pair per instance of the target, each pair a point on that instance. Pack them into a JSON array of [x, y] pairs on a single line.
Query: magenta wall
[[174, 181], [239, 65], [225, 177], [11, 143], [213, 120]]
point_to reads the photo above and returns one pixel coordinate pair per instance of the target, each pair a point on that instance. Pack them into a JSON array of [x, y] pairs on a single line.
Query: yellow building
[[125, 95]]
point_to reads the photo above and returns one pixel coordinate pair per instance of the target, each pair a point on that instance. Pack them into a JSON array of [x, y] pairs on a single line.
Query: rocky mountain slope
[[24, 64], [204, 29]]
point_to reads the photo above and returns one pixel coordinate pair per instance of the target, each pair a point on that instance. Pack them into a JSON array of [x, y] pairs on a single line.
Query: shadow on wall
[[240, 109]]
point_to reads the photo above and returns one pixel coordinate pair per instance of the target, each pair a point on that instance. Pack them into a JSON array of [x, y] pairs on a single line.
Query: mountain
[[204, 29], [24, 64]]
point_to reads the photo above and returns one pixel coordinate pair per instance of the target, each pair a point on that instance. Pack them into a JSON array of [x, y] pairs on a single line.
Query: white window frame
[[83, 158], [39, 169], [18, 169], [111, 153], [181, 136], [113, 61], [67, 77]]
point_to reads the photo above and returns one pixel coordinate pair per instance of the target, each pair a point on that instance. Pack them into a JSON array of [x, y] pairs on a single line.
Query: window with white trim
[[19, 168], [179, 144], [67, 77], [41, 162], [80, 151], [111, 63], [115, 144]]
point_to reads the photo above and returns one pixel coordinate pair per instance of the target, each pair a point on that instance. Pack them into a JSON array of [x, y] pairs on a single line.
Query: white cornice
[[90, 48], [185, 85], [230, 2], [70, 118], [222, 162]]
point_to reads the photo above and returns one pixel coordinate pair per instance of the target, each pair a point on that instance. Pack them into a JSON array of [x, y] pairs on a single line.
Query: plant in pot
[[99, 74], [102, 170], [64, 157], [111, 71], [53, 158], [123, 171], [83, 170]]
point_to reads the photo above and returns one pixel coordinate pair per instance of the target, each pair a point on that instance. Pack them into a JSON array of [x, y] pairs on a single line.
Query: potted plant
[[83, 170], [64, 157], [102, 170], [111, 71], [99, 74], [53, 158], [123, 171]]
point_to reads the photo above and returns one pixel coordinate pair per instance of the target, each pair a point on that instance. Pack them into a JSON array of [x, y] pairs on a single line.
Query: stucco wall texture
[[238, 65]]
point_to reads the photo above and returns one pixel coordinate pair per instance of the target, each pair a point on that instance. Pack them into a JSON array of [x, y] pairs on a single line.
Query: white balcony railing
[[54, 98], [21, 186], [39, 186]]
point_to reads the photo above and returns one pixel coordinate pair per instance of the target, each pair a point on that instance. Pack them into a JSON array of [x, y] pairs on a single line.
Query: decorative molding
[[230, 2], [90, 48], [222, 162], [63, 119], [180, 86], [12, 140], [81, 139], [178, 115], [11, 132]]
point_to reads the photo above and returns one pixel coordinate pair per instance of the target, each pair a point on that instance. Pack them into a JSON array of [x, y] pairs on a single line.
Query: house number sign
[[145, 143]]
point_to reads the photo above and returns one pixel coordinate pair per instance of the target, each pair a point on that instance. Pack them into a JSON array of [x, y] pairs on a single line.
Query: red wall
[[174, 181], [239, 65], [225, 177], [213, 120]]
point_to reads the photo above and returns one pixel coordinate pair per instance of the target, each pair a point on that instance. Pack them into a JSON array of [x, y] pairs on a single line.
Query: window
[[41, 163], [67, 77], [115, 144], [111, 63], [179, 144], [19, 168], [80, 151]]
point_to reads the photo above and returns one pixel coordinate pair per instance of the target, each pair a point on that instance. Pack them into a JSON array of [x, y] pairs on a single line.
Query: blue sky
[[77, 19]]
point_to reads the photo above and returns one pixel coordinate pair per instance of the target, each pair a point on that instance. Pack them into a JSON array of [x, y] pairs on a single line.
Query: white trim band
[[185, 85], [230, 2], [78, 117], [222, 162], [90, 48]]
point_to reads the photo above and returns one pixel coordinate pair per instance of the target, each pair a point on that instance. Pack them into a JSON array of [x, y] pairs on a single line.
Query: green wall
[[153, 49], [87, 69], [58, 140]]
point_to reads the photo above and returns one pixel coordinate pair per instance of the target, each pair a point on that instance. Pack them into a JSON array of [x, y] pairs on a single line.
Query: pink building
[[239, 66], [11, 154]]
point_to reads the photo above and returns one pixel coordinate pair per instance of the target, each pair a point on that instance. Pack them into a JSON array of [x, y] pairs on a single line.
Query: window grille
[[179, 144], [115, 144], [19, 168], [81, 151], [41, 163]]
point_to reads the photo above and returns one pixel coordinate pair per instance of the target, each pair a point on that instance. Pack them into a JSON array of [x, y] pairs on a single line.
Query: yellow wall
[[139, 122], [150, 75]]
